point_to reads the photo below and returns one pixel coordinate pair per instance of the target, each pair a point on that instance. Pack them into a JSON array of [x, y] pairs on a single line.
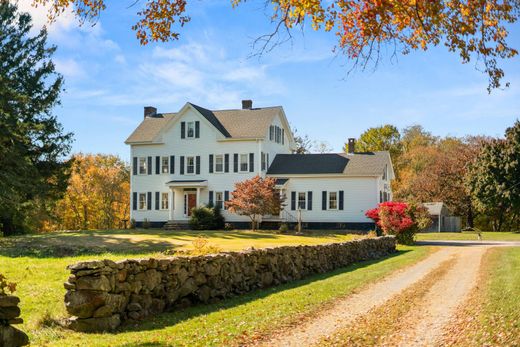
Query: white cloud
[[39, 14], [69, 68], [201, 73]]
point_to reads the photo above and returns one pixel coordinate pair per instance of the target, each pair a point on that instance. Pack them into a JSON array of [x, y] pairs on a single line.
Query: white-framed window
[[143, 166], [264, 161], [219, 163], [219, 200], [165, 199], [190, 165], [244, 162], [302, 200], [190, 129], [333, 200], [142, 201], [165, 165]]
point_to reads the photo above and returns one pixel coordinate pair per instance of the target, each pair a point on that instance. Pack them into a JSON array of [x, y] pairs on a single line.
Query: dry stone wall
[[102, 294], [10, 315]]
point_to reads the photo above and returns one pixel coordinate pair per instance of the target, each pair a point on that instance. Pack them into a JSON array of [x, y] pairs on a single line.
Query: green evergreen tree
[[32, 141]]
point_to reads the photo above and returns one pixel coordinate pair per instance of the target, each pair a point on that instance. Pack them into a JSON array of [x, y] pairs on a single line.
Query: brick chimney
[[150, 111], [247, 104], [351, 145]]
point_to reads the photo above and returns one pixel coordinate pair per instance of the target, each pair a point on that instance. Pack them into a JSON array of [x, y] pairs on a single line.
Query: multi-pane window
[[165, 164], [164, 201], [142, 201], [143, 166], [219, 200], [244, 163], [219, 163], [264, 161], [276, 134], [190, 126], [190, 165], [333, 200], [302, 200]]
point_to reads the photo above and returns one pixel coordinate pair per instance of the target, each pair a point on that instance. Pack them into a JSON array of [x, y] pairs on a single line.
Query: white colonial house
[[195, 156]]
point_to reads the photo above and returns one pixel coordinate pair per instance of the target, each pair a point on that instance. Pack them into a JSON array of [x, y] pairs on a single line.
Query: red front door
[[191, 202]]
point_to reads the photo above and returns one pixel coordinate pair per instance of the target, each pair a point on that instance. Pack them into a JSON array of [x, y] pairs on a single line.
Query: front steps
[[175, 225]]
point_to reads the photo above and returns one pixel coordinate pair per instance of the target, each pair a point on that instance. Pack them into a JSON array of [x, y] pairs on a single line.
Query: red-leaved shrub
[[400, 219]]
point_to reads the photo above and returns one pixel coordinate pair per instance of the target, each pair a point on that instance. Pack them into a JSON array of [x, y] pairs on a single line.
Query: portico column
[[172, 200], [198, 197]]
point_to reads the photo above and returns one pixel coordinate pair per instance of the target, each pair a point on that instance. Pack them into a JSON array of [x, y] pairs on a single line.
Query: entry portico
[[185, 195]]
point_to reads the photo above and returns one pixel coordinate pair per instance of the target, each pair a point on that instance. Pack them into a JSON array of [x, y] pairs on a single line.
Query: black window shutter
[[226, 162], [283, 136], [324, 200], [157, 165], [172, 164], [235, 162], [267, 161], [149, 165], [309, 201], [226, 197], [183, 130], [182, 165], [341, 200], [293, 201], [135, 166], [251, 162], [210, 201], [149, 201], [157, 200], [134, 201], [380, 196], [210, 163], [197, 164], [197, 129]]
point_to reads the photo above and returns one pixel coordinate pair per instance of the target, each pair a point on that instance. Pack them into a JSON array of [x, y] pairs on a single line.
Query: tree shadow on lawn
[[121, 242], [168, 319], [64, 246]]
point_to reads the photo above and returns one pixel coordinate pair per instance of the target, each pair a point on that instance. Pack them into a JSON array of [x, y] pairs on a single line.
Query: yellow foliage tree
[[98, 195]]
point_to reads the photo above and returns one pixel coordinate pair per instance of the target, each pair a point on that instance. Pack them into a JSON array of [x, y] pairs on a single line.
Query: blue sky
[[109, 77]]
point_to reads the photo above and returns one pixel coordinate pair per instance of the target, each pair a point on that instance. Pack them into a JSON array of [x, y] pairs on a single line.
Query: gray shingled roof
[[239, 123], [372, 163], [149, 128], [252, 123], [369, 163]]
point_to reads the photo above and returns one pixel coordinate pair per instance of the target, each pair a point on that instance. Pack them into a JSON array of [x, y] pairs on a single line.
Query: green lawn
[[470, 236], [40, 271]]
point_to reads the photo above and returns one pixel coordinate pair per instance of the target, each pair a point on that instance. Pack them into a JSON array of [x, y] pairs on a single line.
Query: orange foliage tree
[[472, 28], [98, 195], [254, 198]]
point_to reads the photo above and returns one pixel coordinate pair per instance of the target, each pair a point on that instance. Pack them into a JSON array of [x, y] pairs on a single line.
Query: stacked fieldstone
[[103, 294], [10, 315]]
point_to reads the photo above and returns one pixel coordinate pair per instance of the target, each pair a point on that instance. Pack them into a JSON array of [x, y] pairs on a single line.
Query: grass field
[[149, 241], [470, 236], [40, 272]]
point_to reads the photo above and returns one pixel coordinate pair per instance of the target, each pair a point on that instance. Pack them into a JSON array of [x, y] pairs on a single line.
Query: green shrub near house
[[207, 218]]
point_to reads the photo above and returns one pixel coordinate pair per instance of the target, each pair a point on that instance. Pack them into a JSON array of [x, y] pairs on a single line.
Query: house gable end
[[187, 109]]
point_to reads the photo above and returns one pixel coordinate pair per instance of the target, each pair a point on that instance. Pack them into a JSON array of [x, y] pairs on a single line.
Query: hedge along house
[[195, 156]]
